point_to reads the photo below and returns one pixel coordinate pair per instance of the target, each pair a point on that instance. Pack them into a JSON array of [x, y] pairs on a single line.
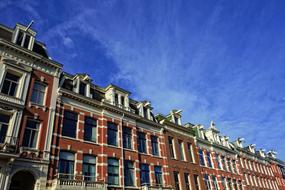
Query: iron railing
[[9, 144]]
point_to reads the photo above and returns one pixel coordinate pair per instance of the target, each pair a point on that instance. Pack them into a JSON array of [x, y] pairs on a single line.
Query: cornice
[[29, 53]]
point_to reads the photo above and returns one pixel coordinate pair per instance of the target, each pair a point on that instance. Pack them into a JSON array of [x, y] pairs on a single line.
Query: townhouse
[[28, 80], [218, 159]]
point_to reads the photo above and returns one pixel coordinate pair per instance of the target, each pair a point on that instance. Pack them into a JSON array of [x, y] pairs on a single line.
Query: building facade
[[28, 80], [61, 131]]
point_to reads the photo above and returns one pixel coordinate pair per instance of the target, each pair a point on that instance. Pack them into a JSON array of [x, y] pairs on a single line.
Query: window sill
[[24, 148], [90, 142], [70, 138], [113, 146]]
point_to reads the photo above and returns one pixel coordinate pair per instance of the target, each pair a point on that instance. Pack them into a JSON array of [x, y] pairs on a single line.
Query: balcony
[[9, 145], [77, 182], [155, 187]]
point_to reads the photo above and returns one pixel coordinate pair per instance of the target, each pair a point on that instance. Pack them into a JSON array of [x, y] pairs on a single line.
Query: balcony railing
[[9, 144], [71, 181], [155, 187]]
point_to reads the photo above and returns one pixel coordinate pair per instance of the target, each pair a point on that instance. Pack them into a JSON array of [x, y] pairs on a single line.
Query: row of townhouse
[[62, 131]]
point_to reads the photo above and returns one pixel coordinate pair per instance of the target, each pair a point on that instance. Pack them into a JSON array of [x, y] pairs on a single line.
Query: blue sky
[[220, 60]]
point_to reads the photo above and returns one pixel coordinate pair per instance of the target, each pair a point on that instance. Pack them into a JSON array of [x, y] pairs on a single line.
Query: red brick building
[[101, 135], [218, 159], [62, 131], [28, 80]]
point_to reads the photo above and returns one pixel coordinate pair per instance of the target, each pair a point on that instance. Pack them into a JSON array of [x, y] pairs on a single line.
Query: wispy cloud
[[219, 61]]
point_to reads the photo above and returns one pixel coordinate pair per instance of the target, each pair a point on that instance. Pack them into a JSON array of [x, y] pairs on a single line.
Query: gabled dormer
[[199, 129], [261, 152], [117, 96], [225, 141], [144, 108], [175, 116], [251, 148], [272, 154], [81, 84], [212, 133], [239, 142], [24, 36]]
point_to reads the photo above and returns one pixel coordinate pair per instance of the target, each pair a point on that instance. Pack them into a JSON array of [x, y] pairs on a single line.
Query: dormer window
[[123, 100], [23, 39], [176, 120], [82, 88], [145, 112], [116, 99]]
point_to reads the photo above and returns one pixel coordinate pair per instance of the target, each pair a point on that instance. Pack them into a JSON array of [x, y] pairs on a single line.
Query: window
[[69, 124], [190, 153], [209, 159], [176, 180], [214, 179], [229, 165], [66, 164], [141, 142], [240, 185], [89, 167], [4, 123], [112, 134], [113, 171], [10, 84], [116, 99], [82, 88], [201, 156], [218, 161], [23, 39], [154, 145], [224, 163], [223, 182], [171, 148], [123, 100], [38, 94], [144, 174], [158, 175], [229, 184], [207, 182], [235, 184], [31, 134], [145, 114], [127, 137], [129, 173], [181, 149], [196, 182], [187, 182], [234, 166], [90, 129], [176, 121]]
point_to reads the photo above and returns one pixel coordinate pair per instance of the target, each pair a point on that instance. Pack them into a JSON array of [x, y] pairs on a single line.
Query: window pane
[[154, 145], [31, 134], [127, 137], [69, 124], [141, 142], [112, 134], [90, 129], [129, 173], [158, 175], [144, 174], [27, 41], [113, 171]]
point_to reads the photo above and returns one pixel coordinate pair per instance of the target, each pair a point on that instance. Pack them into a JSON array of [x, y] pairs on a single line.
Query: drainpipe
[[122, 152]]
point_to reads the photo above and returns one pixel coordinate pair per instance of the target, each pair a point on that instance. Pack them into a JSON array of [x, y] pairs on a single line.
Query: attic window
[[82, 88], [176, 120], [23, 39]]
